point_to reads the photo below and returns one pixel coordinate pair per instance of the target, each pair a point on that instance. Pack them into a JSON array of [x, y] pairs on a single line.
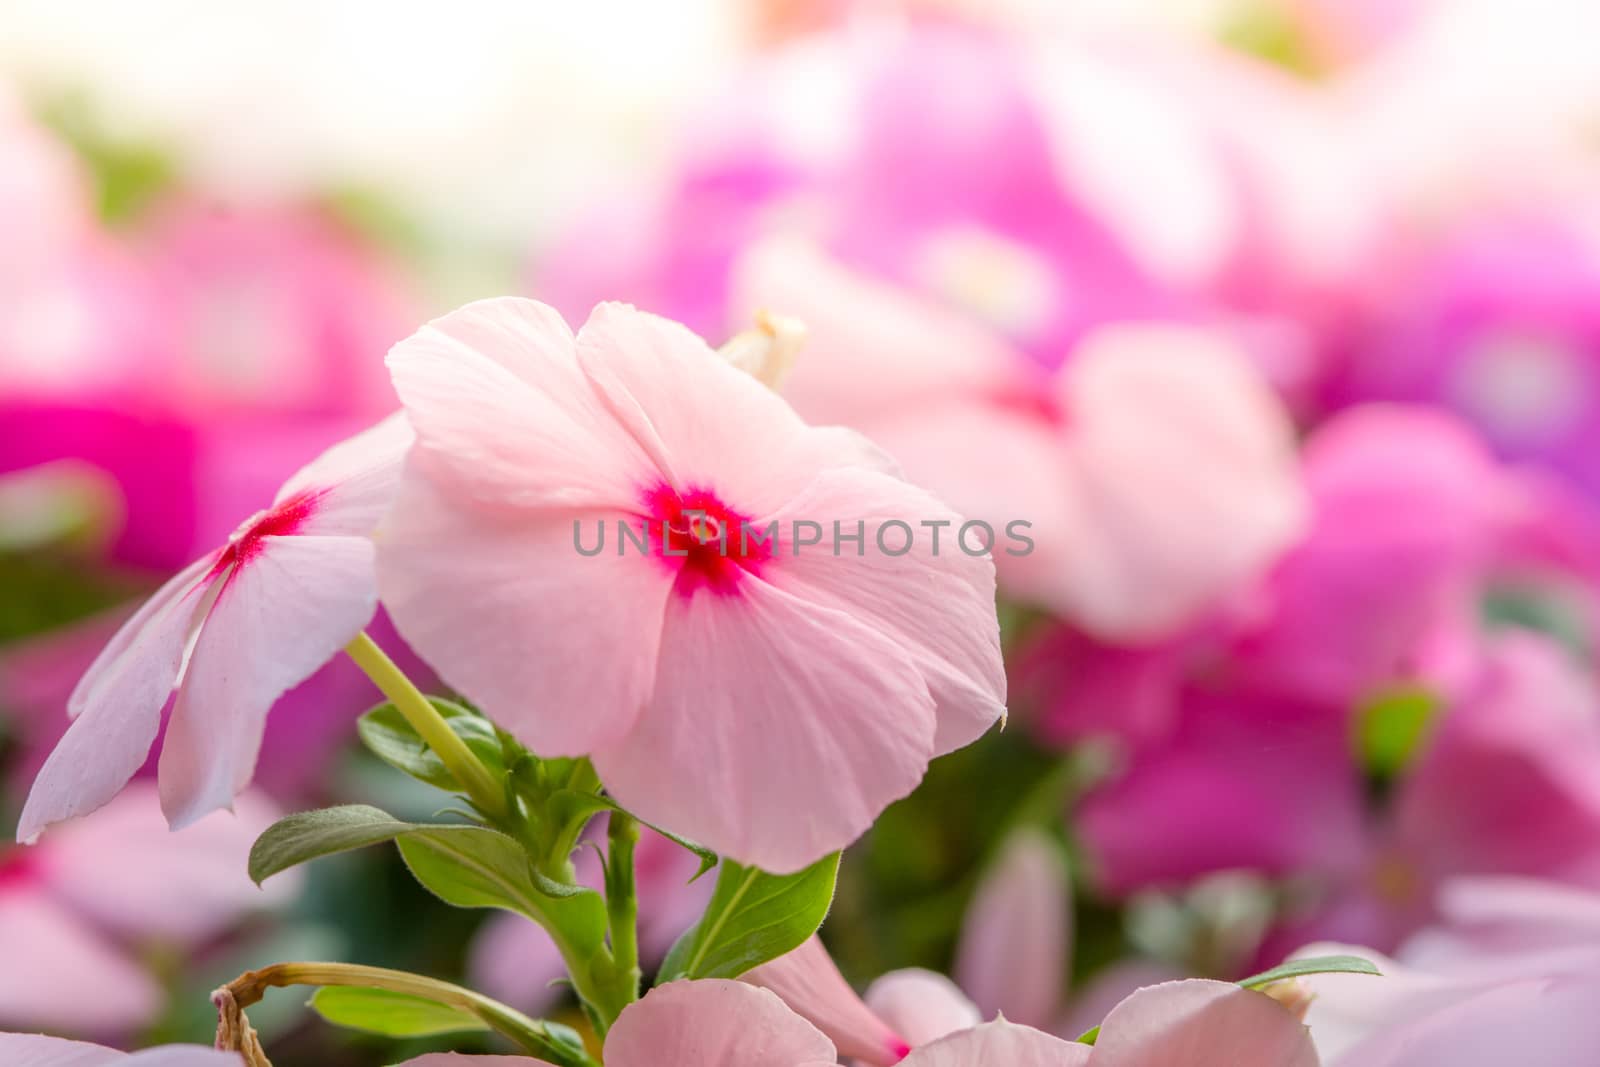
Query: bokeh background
[[215, 220]]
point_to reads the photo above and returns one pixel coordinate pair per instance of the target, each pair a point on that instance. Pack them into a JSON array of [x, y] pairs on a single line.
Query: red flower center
[[705, 542], [281, 520]]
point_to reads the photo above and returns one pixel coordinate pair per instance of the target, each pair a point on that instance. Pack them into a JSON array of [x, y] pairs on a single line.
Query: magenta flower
[[1499, 325], [231, 634], [67, 937], [798, 691]]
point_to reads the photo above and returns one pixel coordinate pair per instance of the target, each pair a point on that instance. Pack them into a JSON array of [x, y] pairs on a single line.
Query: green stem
[[622, 902], [528, 1033], [486, 792]]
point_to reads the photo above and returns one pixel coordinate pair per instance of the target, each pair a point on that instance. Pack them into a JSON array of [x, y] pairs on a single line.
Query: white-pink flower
[[231, 633], [766, 699]]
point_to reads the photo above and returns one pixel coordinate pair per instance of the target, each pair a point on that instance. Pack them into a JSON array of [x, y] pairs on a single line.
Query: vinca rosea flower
[[1504, 974], [765, 698], [1156, 469], [231, 634], [67, 933]]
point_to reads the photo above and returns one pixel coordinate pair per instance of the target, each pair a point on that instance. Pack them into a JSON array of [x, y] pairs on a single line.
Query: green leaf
[[475, 867], [574, 803], [753, 917], [1311, 965], [1089, 1036], [392, 739], [381, 1011], [292, 841]]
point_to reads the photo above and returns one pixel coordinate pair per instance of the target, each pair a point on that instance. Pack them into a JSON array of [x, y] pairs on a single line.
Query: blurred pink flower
[[1499, 323], [1504, 782], [1156, 470], [689, 662], [1508, 972], [295, 579], [819, 138], [515, 961], [40, 1050], [74, 910]]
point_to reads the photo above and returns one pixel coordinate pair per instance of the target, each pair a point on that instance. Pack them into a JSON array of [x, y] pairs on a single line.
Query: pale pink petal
[[282, 612], [39, 1050], [128, 844], [351, 486], [1200, 1023], [713, 1024], [118, 706], [59, 973], [921, 1006], [996, 1043], [1017, 938], [513, 960], [705, 424], [796, 725], [1184, 478], [557, 647], [1550, 1022], [810, 984], [181, 1056], [935, 603], [505, 418], [1108, 988]]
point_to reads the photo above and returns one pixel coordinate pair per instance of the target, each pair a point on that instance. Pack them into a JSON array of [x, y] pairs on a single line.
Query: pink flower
[[1156, 470], [1509, 971], [1013, 958], [70, 909], [231, 634], [38, 1050], [918, 1019], [798, 691]]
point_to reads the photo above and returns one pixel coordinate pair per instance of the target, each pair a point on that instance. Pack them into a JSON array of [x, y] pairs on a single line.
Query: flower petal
[[61, 974], [1200, 1023], [281, 614], [117, 706], [128, 842], [778, 730], [354, 482], [809, 982], [1016, 941], [556, 647], [1001, 1043], [713, 1023], [461, 1059], [505, 418], [706, 424], [514, 960], [1184, 474], [935, 602], [922, 1006]]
